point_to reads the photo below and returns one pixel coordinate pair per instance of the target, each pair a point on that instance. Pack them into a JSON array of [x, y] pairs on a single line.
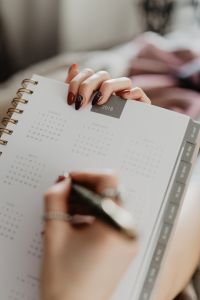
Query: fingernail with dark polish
[[72, 66], [78, 102], [60, 178], [97, 97], [70, 98]]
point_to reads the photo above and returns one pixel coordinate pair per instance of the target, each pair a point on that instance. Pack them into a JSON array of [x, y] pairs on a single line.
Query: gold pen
[[84, 201]]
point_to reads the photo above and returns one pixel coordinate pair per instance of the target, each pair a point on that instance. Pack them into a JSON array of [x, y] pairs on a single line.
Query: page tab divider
[[192, 132], [192, 137]]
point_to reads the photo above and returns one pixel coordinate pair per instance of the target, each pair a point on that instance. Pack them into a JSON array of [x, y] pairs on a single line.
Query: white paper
[[52, 138]]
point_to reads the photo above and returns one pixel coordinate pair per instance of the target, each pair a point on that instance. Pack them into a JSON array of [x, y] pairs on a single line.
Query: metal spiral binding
[[16, 100]]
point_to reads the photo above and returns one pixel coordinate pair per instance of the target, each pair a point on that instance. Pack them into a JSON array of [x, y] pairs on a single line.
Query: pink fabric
[[170, 79]]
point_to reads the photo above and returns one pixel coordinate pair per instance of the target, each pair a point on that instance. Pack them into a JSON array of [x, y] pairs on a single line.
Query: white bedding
[[114, 60]]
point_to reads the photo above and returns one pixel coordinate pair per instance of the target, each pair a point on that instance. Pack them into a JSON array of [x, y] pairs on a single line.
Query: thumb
[[56, 197]]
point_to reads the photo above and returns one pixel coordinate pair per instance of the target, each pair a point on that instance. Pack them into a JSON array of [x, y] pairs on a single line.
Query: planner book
[[153, 150]]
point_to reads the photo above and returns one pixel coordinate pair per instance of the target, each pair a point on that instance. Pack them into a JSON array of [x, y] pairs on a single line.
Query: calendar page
[[139, 141]]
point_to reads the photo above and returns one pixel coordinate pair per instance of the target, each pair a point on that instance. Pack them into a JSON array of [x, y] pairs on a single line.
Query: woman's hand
[[87, 262], [86, 85]]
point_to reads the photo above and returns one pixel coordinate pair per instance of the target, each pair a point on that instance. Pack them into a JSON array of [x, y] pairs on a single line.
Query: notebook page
[[52, 138]]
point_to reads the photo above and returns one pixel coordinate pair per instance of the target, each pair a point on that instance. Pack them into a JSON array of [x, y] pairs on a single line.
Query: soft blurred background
[[155, 42]]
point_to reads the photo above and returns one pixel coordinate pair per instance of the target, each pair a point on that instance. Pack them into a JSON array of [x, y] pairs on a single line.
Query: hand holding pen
[[85, 204], [94, 256]]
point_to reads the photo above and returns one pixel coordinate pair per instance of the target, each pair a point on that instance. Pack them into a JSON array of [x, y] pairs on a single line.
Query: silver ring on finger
[[56, 215], [111, 192]]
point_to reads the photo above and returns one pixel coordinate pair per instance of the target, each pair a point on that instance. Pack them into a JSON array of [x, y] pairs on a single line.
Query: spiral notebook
[[152, 149]]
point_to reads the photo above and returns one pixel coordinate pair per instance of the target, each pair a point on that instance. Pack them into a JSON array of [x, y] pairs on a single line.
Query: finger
[[56, 231], [111, 86], [56, 197], [96, 182], [72, 72], [92, 84], [135, 94], [55, 200], [74, 87], [81, 220]]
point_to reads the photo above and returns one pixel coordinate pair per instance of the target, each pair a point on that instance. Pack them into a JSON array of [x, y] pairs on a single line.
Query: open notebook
[[152, 149]]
